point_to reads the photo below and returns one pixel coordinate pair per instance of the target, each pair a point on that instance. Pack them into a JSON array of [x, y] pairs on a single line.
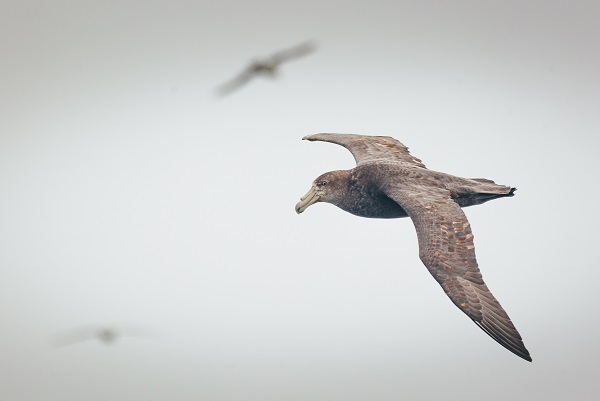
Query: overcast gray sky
[[132, 196]]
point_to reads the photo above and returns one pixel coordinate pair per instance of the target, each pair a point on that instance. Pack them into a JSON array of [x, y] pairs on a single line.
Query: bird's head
[[329, 187]]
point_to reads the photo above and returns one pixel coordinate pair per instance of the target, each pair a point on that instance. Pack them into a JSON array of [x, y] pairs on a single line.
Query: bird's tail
[[487, 191]]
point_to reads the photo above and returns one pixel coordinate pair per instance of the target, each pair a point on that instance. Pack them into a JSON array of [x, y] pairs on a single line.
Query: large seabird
[[389, 183]]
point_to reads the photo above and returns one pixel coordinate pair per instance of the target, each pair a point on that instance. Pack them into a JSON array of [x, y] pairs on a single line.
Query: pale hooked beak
[[307, 200]]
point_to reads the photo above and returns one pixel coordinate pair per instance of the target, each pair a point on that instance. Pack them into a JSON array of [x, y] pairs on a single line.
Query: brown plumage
[[389, 183]]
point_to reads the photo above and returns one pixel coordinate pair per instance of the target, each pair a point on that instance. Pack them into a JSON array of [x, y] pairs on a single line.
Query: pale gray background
[[130, 194]]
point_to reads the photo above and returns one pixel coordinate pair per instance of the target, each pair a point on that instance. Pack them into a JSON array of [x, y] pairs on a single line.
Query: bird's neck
[[363, 198]]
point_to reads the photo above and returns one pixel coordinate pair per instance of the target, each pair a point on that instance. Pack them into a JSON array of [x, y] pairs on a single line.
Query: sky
[[132, 196]]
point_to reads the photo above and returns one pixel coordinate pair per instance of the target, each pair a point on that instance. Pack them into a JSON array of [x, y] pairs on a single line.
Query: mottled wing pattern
[[447, 250], [370, 148], [294, 52]]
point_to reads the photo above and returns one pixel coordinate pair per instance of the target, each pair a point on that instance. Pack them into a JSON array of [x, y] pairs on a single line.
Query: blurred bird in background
[[104, 334], [266, 67]]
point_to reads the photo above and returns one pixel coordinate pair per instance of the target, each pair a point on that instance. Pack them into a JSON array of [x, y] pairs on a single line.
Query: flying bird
[[104, 334], [266, 67], [388, 182]]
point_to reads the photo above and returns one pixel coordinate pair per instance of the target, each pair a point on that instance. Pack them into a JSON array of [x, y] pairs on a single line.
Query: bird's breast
[[375, 206]]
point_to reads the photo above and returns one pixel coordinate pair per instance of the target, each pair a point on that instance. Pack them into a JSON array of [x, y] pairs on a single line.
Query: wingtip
[[310, 137], [523, 353], [524, 356], [317, 136], [512, 343]]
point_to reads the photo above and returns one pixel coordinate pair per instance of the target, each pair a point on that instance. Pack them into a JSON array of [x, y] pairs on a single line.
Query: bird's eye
[[323, 183]]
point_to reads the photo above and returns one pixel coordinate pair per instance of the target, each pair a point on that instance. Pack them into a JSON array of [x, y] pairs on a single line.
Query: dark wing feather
[[371, 148], [447, 250]]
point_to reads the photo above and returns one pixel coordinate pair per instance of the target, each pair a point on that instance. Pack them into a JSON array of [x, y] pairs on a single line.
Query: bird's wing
[[237, 82], [75, 335], [447, 250], [293, 52], [367, 148]]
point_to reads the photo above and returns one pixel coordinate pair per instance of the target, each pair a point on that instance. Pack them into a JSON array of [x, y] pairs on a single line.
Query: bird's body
[[390, 183], [364, 194]]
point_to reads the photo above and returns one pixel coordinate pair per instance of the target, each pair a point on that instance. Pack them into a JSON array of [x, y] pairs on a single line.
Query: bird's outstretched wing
[[237, 82], [293, 52], [367, 148], [75, 335], [447, 250]]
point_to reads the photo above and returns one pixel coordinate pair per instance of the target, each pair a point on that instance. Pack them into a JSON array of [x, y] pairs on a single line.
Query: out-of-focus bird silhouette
[[266, 67], [104, 334]]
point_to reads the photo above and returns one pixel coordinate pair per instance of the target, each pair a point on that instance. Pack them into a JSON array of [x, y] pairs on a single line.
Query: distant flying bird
[[389, 183], [266, 67], [104, 334]]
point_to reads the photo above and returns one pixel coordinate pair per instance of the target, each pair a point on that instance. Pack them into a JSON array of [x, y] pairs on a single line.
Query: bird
[[266, 67], [388, 182], [105, 334]]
